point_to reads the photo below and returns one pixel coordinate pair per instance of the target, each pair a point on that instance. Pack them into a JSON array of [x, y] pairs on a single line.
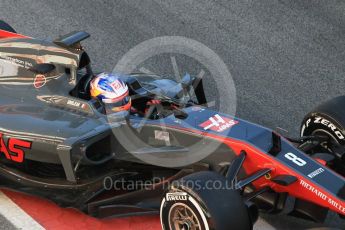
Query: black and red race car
[[202, 169]]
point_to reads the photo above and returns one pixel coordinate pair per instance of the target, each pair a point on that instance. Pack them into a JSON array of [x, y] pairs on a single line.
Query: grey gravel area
[[285, 56]]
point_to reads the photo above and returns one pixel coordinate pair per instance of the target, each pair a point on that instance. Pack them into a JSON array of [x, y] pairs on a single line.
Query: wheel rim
[[182, 217], [321, 132]]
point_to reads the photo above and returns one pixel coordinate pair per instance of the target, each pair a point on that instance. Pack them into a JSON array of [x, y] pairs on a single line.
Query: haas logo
[[218, 123], [13, 150]]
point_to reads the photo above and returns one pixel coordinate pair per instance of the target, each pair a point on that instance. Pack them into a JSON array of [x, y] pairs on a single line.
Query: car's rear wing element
[[6, 34]]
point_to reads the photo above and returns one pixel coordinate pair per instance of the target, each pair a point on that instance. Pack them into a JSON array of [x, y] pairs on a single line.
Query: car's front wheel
[[328, 120], [204, 201]]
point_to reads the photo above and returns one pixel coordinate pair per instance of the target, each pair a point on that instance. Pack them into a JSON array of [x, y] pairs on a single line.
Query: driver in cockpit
[[114, 94], [112, 91]]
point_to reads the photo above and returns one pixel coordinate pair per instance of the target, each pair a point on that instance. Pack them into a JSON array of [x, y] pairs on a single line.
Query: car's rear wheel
[[6, 26], [204, 201]]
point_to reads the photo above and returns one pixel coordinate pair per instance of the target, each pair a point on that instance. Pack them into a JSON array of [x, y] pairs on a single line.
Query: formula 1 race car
[[58, 143]]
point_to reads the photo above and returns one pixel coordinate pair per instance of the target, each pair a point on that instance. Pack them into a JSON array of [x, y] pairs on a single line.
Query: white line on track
[[16, 216], [261, 224]]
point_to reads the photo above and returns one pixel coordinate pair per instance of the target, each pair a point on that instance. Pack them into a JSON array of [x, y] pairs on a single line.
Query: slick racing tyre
[[6, 26], [328, 119], [203, 201]]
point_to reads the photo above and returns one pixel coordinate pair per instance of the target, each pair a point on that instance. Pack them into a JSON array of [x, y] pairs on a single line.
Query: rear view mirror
[[180, 114], [43, 68]]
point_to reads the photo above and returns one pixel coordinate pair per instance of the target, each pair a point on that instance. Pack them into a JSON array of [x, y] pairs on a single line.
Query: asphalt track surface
[[285, 56]]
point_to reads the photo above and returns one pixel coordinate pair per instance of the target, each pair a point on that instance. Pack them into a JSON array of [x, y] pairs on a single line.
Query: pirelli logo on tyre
[[176, 196], [325, 123]]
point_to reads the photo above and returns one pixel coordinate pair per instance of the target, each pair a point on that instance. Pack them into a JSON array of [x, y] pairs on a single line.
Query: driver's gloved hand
[[153, 108]]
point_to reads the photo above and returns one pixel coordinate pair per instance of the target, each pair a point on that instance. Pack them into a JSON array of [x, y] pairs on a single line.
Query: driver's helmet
[[112, 91]]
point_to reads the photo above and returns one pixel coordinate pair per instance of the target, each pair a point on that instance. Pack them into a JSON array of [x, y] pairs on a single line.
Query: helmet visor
[[124, 104]]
